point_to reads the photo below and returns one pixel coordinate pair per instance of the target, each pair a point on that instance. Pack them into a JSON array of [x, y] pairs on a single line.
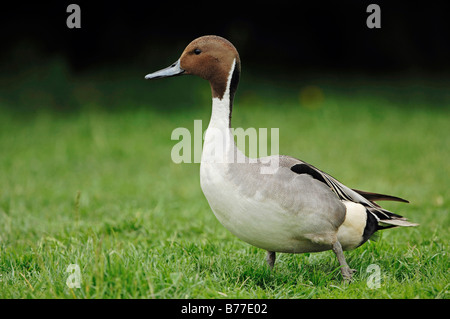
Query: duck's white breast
[[256, 219]]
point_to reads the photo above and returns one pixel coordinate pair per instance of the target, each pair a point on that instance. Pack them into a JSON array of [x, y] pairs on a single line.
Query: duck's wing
[[344, 193]]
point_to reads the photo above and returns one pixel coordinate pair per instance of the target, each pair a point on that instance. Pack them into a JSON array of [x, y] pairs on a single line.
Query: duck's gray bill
[[172, 70]]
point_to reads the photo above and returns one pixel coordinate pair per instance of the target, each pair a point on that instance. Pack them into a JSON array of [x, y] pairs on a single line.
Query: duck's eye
[[197, 51]]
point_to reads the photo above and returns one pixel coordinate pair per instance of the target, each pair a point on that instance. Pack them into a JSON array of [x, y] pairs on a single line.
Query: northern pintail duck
[[297, 208]]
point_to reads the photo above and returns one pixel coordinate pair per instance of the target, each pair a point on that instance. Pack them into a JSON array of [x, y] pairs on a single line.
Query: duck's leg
[[270, 258], [345, 269]]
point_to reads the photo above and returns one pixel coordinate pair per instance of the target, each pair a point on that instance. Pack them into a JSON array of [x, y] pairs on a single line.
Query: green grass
[[98, 189]]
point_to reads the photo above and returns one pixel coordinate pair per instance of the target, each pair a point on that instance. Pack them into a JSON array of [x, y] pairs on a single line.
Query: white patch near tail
[[350, 233]]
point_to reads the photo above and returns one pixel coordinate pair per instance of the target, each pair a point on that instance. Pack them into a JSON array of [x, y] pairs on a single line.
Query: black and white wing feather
[[385, 218]]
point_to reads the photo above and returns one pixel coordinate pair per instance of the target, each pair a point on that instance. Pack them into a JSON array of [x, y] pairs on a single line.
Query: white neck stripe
[[230, 75]]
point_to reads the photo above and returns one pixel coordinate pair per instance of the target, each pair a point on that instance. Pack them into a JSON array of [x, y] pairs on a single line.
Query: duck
[[293, 207]]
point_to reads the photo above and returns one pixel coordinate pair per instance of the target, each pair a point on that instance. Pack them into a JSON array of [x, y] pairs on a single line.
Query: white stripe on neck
[[220, 115], [219, 146]]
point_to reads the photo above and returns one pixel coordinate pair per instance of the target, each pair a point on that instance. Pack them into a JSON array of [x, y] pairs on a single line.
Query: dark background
[[312, 35], [44, 64]]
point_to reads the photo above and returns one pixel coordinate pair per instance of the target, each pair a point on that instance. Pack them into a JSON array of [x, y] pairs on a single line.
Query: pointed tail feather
[[397, 222], [387, 219], [376, 197]]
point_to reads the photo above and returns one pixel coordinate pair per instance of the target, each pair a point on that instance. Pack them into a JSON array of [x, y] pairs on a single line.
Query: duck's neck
[[219, 141], [223, 96]]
